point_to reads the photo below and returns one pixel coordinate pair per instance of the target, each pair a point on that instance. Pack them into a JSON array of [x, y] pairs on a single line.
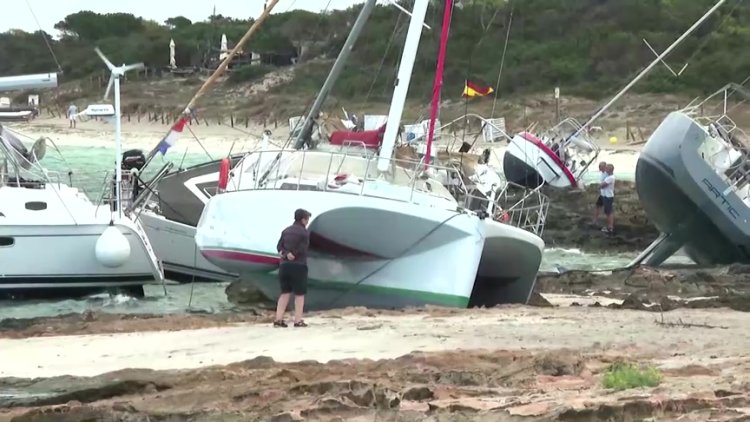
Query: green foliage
[[250, 73], [623, 376], [588, 47]]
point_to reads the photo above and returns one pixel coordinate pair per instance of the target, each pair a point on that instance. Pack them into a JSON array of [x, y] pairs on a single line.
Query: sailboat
[[53, 238], [561, 156], [693, 181], [382, 235]]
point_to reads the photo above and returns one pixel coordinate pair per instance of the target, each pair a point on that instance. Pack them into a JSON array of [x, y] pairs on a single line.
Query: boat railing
[[487, 128], [341, 172], [514, 205]]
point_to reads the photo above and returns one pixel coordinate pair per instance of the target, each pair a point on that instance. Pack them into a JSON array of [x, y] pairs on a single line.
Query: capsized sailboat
[[382, 234], [562, 156], [693, 181]]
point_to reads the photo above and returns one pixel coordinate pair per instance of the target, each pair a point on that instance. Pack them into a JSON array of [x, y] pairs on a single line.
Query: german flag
[[473, 90]]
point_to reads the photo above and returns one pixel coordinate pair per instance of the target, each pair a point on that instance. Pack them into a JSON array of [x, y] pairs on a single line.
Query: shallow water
[[210, 297]]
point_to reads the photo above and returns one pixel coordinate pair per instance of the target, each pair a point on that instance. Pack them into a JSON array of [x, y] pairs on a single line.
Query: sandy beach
[[435, 364]]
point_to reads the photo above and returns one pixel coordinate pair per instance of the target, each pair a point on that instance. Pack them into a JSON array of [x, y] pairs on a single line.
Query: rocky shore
[[513, 363], [569, 221]]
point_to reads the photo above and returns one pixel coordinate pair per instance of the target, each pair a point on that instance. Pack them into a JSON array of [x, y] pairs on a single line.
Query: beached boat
[[561, 156], [52, 236], [693, 181], [382, 235], [53, 239]]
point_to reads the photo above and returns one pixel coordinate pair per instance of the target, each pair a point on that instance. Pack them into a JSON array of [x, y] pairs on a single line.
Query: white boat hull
[[530, 163], [174, 244], [57, 256], [48, 240], [365, 251], [373, 252]]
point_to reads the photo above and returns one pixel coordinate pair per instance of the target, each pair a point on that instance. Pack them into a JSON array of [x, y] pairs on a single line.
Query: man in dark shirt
[[292, 247]]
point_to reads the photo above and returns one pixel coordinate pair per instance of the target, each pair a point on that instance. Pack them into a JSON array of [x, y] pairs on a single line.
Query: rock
[[418, 394], [387, 399], [538, 300], [243, 292], [568, 222], [286, 417]]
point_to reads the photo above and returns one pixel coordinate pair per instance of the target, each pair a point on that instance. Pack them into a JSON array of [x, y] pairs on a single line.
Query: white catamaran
[[382, 234]]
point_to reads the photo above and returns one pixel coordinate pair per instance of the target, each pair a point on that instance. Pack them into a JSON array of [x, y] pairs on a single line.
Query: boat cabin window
[[300, 186], [7, 241], [36, 206]]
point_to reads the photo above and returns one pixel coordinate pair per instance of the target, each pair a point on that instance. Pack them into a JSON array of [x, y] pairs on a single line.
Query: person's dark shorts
[[607, 203], [599, 202], [293, 278]]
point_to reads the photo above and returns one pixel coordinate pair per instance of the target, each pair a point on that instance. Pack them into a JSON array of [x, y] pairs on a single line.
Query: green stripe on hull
[[419, 296], [427, 297], [440, 299]]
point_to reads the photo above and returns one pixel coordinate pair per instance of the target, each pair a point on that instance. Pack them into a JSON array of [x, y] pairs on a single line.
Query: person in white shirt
[[599, 202], [72, 115], [608, 198]]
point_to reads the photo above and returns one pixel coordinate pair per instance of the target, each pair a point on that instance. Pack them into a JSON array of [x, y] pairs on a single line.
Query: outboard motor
[[133, 159], [132, 162]]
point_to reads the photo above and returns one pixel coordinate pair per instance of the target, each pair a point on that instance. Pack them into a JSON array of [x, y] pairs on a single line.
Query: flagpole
[[221, 69], [438, 84]]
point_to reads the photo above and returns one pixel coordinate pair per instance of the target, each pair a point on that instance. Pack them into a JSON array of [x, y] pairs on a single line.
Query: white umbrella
[[172, 62], [223, 53]]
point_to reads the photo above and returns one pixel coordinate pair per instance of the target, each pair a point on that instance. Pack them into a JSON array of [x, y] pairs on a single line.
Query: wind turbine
[[114, 79]]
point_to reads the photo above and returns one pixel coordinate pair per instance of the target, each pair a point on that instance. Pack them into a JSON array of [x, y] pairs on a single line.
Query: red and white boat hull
[[529, 162]]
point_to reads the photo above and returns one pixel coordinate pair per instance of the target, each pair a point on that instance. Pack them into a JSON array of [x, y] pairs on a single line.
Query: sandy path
[[381, 337]]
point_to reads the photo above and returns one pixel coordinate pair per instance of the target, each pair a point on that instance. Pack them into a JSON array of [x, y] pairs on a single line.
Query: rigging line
[[199, 142], [44, 35], [741, 102], [502, 61], [401, 255], [471, 60], [385, 55]]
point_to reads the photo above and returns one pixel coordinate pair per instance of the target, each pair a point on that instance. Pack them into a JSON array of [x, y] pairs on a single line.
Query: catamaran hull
[[528, 162], [687, 200], [174, 244], [365, 251], [37, 257], [509, 265]]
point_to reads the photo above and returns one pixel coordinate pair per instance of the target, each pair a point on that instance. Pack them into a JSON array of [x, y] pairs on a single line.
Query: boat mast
[[646, 70], [438, 85], [402, 83], [333, 75]]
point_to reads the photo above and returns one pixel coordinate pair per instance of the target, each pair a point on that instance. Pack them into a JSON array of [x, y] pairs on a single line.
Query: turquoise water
[[91, 164], [210, 297]]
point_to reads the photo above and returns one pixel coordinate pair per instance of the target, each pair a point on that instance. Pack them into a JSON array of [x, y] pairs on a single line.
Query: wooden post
[[247, 121], [231, 120]]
